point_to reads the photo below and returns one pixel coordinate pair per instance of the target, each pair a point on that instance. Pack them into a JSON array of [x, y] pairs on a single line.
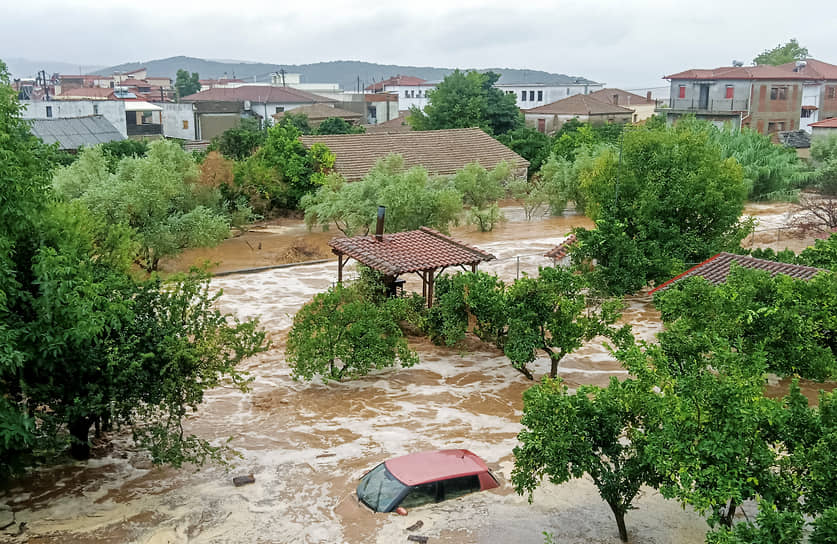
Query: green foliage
[[342, 334], [532, 145], [551, 314], [592, 431], [156, 196], [481, 189], [575, 135], [782, 54], [824, 154], [297, 120], [338, 125], [769, 169], [532, 195], [791, 321], [117, 150], [825, 528], [771, 527], [670, 200], [240, 142], [81, 341], [186, 84], [412, 198], [823, 254], [468, 99]]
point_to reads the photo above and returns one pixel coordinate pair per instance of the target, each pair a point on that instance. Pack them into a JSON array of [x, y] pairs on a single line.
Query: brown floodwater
[[308, 443]]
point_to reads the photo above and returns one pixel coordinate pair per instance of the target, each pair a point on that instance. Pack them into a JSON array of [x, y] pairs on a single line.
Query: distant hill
[[346, 73], [22, 68]]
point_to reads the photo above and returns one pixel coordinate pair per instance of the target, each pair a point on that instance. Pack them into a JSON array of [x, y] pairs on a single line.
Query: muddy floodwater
[[307, 444]]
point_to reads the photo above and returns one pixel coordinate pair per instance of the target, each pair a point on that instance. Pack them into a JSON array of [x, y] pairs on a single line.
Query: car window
[[456, 487], [379, 489], [421, 494]]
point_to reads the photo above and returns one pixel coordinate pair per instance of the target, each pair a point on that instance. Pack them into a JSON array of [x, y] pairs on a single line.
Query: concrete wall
[[553, 123], [770, 115], [823, 131], [211, 125], [410, 95], [112, 110], [179, 121], [549, 93], [828, 106]]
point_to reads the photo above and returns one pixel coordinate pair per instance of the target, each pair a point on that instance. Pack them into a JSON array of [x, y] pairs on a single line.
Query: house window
[[805, 113], [532, 96], [523, 96], [778, 93], [775, 126], [49, 111], [830, 92], [95, 109], [185, 125], [568, 91], [540, 96], [681, 91], [406, 93], [730, 91], [279, 109]]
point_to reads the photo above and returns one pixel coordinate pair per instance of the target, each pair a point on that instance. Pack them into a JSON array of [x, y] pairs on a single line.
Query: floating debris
[[244, 480]]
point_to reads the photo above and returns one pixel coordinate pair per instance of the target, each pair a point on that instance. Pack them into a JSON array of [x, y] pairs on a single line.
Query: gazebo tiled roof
[[716, 269], [561, 250], [410, 251]]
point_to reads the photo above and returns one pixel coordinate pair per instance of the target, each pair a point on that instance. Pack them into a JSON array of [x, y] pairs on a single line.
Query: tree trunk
[[727, 518], [553, 372], [79, 429], [620, 522], [525, 371]]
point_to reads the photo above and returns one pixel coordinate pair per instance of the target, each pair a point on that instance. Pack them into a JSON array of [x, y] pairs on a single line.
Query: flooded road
[[307, 444]]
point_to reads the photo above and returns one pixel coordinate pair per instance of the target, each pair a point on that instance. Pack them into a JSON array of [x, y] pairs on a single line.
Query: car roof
[[431, 466]]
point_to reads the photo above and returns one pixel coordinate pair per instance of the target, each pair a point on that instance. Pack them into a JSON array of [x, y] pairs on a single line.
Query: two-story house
[[532, 95], [819, 91], [411, 91], [767, 99]]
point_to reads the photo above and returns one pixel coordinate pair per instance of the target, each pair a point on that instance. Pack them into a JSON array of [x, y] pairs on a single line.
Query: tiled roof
[[798, 139], [76, 132], [825, 123], [738, 72], [257, 93], [624, 98], [716, 269], [579, 104], [813, 69], [411, 251], [87, 92], [561, 250], [397, 80], [399, 124], [316, 112], [439, 151], [131, 82]]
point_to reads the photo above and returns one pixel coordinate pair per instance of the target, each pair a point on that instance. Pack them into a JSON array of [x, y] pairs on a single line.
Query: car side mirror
[[401, 511]]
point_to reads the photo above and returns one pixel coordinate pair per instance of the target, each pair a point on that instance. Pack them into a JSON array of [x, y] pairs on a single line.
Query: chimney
[[648, 95], [379, 229]]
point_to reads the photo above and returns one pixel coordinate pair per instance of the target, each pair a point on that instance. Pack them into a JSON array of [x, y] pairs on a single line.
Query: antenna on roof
[[737, 63]]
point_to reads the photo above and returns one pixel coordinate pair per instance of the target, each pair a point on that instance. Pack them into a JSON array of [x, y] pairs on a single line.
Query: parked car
[[421, 478]]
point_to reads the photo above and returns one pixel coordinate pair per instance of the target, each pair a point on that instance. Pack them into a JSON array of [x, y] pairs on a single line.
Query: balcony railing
[[712, 105]]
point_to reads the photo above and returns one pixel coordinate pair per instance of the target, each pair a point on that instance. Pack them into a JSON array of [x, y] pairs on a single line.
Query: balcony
[[144, 130], [713, 105]]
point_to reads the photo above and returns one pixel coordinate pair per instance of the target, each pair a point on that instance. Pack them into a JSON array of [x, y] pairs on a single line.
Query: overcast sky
[[628, 44]]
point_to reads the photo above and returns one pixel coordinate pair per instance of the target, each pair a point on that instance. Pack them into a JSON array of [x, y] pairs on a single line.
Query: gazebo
[[425, 251]]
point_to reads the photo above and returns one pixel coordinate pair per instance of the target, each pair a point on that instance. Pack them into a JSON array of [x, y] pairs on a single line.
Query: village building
[[642, 106], [411, 91], [819, 91], [532, 95], [549, 118], [112, 110], [767, 99], [259, 101], [317, 113], [825, 127], [441, 152]]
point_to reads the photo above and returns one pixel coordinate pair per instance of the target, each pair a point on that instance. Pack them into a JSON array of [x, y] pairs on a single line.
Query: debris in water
[[320, 456], [415, 526], [244, 480], [417, 538]]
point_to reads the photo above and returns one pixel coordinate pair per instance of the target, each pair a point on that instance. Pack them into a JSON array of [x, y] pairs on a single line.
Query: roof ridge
[[437, 234]]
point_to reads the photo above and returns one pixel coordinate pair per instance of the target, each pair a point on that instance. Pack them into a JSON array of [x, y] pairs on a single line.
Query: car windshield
[[379, 489]]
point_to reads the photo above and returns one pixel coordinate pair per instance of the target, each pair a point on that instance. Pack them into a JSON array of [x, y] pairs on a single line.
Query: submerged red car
[[421, 478]]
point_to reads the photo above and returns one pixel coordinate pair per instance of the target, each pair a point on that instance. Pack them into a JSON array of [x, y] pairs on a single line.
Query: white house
[[260, 101], [112, 110], [532, 95], [411, 91]]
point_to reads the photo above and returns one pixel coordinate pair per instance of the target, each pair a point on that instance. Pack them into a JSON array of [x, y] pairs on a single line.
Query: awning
[[139, 105], [809, 108]]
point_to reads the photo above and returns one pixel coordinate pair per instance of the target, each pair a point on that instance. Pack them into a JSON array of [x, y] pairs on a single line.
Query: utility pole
[[282, 72]]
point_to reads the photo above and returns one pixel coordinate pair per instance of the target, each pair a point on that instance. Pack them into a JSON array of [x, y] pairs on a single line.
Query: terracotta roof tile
[[257, 93], [738, 72], [561, 250], [626, 98], [813, 69], [716, 269], [579, 104], [399, 124], [397, 80], [825, 123], [410, 251], [441, 152]]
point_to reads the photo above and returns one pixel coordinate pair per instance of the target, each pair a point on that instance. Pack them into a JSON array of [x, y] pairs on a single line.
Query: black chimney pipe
[[379, 229]]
